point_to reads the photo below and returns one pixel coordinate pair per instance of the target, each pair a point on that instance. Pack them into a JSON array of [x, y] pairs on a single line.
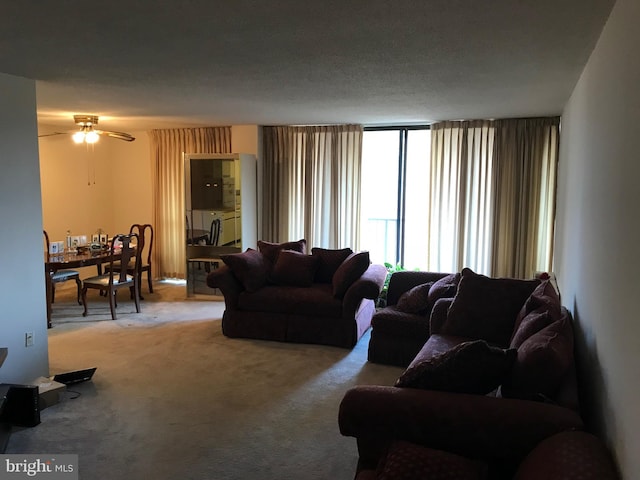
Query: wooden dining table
[[66, 260]]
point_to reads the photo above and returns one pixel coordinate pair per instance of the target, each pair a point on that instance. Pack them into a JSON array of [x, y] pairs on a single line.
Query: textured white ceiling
[[158, 64]]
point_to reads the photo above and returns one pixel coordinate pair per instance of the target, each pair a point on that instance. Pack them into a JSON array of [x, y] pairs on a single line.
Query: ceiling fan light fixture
[[78, 137], [85, 120], [91, 136], [86, 132]]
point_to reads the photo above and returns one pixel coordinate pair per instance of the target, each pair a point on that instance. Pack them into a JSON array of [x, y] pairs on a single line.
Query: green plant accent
[[391, 269]]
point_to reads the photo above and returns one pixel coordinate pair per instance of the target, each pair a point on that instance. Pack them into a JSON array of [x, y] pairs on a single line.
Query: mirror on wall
[[220, 212], [212, 202]]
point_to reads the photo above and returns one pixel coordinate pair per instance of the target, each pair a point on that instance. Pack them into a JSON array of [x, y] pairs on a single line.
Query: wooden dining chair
[[146, 235], [214, 232], [213, 240], [117, 278], [145, 245], [60, 276]]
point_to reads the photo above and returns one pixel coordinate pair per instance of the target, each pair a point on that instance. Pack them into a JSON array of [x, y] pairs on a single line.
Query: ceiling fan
[[88, 134]]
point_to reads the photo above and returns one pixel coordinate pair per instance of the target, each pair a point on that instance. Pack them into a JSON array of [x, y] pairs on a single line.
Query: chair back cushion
[[294, 268], [349, 271], [249, 267], [328, 262], [486, 308], [271, 250]]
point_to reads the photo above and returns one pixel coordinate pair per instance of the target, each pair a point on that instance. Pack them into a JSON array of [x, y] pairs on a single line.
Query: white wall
[[22, 286], [598, 231], [248, 139]]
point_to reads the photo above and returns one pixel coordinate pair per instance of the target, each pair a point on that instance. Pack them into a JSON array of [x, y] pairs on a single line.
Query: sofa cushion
[[470, 367], [446, 287], [348, 272], [486, 308], [294, 268], [250, 267], [315, 301], [542, 362], [406, 460], [328, 262], [271, 250], [416, 300]]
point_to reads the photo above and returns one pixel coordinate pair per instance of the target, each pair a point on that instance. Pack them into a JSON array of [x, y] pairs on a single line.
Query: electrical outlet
[[28, 339]]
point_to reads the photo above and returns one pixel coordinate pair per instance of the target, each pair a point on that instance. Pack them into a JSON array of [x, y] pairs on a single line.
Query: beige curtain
[[312, 185], [526, 159], [460, 190], [167, 147], [492, 196]]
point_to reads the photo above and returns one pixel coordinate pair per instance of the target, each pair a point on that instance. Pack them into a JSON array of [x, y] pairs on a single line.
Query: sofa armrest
[[369, 285], [224, 279], [405, 280], [476, 426]]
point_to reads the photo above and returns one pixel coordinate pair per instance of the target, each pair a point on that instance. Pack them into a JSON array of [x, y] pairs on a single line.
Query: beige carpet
[[174, 399]]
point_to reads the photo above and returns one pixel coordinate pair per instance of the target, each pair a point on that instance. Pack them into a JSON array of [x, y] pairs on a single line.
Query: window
[[477, 194], [395, 172]]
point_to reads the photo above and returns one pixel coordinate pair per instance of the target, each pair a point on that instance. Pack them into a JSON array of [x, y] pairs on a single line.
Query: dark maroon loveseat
[[280, 293], [494, 379]]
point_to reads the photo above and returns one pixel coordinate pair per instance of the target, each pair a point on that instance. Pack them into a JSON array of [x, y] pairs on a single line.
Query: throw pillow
[[469, 367], [271, 250], [328, 262], [486, 308], [415, 300], [545, 297], [406, 460], [250, 268], [348, 272], [444, 288], [532, 323], [294, 268], [542, 362]]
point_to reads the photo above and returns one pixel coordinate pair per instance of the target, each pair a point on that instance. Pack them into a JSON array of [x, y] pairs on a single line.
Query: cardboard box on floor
[[49, 391]]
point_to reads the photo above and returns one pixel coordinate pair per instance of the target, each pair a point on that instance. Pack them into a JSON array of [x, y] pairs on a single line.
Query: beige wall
[[107, 185], [597, 259], [85, 187], [76, 185]]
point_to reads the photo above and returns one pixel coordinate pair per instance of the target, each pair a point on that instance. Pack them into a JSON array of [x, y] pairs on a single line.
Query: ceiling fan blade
[[119, 135], [52, 134]]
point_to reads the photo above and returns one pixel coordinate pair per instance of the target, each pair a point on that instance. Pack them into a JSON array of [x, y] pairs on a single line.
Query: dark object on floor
[[77, 376], [20, 406]]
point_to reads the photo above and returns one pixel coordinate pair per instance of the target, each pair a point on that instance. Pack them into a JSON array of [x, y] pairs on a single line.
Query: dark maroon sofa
[[493, 380], [278, 292]]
